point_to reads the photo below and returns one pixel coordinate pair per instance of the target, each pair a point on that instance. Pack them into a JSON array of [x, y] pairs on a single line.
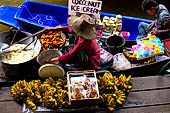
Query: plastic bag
[[105, 57], [120, 62]]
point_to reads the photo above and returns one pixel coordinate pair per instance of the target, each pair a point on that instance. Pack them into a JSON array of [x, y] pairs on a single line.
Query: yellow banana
[[118, 101]]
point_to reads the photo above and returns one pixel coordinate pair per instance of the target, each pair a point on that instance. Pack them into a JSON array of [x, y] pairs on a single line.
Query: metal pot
[[20, 70], [46, 55]]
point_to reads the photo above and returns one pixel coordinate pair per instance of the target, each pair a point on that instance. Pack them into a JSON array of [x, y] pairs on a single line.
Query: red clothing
[[90, 47]]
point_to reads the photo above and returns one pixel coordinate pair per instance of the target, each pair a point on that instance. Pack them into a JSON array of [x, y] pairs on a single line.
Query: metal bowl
[[51, 70], [12, 36], [3, 45], [46, 55]]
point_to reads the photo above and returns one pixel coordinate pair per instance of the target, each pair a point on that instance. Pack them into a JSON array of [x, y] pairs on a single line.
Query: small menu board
[[83, 88]]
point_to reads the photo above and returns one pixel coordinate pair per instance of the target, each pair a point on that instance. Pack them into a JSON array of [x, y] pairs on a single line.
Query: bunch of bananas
[[59, 84], [33, 90], [150, 60], [125, 83], [107, 83], [30, 104], [55, 95], [33, 94], [48, 99], [44, 87], [120, 96], [109, 99], [49, 81], [51, 93], [17, 90], [63, 98], [112, 89], [130, 57]]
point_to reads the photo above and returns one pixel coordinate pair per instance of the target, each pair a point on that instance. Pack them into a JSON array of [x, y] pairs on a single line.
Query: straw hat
[[83, 26]]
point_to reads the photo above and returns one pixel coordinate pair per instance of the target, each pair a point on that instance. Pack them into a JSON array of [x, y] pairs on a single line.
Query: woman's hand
[[54, 60], [155, 32], [151, 25]]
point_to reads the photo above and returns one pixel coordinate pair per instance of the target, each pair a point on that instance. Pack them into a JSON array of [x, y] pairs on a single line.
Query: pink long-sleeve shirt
[[90, 47]]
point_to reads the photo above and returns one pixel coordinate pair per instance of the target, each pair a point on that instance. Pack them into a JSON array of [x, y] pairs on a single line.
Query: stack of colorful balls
[[147, 46]]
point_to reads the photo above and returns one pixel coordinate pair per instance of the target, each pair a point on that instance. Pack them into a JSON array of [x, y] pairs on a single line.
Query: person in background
[[84, 28], [161, 24]]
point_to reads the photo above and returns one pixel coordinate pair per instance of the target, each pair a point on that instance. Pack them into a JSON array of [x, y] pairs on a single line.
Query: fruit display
[[18, 90], [113, 90], [104, 91], [51, 40], [132, 58], [49, 94]]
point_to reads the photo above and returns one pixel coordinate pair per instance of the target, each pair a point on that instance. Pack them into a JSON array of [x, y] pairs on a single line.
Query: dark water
[[124, 7]]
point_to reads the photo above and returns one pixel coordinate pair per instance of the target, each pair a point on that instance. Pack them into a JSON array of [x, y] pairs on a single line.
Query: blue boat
[[33, 16]]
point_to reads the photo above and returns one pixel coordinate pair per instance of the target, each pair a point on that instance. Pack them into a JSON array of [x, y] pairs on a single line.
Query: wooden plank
[[134, 99], [10, 107], [150, 82], [5, 94], [147, 92], [149, 109], [147, 98], [141, 101], [13, 107], [139, 84]]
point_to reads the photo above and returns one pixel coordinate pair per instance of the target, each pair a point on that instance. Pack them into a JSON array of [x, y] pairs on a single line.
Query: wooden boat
[[158, 67], [32, 16]]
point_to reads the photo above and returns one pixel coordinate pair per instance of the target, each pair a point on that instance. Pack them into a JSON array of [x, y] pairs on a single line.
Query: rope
[[38, 17]]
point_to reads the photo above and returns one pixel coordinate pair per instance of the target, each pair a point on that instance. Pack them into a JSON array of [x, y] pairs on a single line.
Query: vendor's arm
[[151, 25], [166, 30], [162, 31], [165, 20], [74, 51], [64, 28], [54, 60]]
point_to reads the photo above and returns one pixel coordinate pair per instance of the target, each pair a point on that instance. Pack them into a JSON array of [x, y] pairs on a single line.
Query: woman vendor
[[84, 28]]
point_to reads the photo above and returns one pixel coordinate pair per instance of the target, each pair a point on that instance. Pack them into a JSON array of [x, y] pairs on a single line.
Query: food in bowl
[[91, 93], [17, 55], [51, 40]]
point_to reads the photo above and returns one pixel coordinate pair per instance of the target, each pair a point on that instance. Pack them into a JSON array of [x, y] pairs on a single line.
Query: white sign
[[92, 7]]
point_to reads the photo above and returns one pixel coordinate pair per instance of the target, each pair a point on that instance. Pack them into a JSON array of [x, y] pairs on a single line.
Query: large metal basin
[[21, 70]]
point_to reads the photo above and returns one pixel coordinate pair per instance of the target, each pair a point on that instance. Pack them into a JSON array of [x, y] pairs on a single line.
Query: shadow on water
[[123, 7]]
